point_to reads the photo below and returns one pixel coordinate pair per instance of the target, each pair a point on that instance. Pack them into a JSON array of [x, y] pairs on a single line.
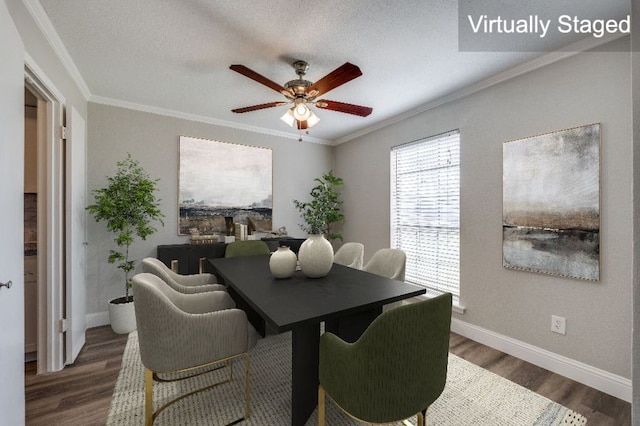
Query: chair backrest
[[246, 248], [156, 267], [350, 254], [156, 307], [404, 356], [388, 263]]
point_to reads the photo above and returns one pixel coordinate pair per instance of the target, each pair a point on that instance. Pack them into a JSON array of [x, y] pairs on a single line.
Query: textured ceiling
[[175, 55]]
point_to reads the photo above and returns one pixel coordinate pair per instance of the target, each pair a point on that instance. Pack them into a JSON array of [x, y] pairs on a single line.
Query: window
[[425, 211]]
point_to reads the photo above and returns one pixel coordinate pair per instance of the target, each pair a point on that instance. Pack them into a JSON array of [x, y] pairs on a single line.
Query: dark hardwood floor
[[80, 394]]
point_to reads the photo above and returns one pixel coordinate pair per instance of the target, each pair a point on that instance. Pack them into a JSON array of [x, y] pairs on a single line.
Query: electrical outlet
[[558, 324]]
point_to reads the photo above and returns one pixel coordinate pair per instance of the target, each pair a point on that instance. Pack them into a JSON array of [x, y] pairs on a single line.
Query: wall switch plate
[[558, 324]]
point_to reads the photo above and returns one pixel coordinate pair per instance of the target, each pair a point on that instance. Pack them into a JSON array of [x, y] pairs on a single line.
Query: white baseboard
[[596, 378], [98, 319]]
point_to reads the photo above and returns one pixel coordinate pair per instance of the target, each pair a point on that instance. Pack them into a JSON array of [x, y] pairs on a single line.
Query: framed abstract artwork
[[551, 203], [219, 180]]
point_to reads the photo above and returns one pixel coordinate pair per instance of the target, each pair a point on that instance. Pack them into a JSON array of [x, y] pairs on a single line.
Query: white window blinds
[[425, 210]]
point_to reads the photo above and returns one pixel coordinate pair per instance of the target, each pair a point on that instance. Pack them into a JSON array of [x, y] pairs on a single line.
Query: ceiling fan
[[302, 93]]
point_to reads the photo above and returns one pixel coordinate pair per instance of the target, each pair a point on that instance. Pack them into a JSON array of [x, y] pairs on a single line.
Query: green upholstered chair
[[180, 332], [395, 370], [246, 248]]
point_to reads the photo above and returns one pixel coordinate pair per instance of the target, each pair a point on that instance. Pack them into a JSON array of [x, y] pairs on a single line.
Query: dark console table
[[192, 258]]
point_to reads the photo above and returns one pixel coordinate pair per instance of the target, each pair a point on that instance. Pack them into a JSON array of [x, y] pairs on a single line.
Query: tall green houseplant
[[323, 211], [128, 205]]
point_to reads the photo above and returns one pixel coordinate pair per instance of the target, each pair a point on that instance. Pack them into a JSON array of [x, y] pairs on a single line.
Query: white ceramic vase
[[122, 317], [315, 256], [283, 262]]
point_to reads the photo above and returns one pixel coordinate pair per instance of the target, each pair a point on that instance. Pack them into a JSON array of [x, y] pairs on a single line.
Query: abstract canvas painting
[[551, 203], [219, 180]]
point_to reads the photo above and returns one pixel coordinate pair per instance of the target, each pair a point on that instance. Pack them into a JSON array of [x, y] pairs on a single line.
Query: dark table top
[[290, 302]]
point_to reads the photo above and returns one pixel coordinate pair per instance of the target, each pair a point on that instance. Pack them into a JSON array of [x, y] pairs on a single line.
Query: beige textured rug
[[472, 396]]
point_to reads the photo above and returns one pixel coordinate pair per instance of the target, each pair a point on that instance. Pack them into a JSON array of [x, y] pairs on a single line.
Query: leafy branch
[[323, 211]]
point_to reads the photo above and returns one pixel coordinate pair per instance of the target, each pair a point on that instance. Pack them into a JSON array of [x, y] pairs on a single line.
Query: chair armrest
[[181, 340], [186, 289], [210, 301], [197, 279]]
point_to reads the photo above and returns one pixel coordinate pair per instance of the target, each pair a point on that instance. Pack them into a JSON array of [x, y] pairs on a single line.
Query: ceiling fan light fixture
[[301, 111], [289, 118], [312, 120]]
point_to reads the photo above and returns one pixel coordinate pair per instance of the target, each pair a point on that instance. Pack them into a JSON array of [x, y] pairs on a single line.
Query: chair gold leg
[[422, 419], [148, 397], [321, 406], [247, 387]]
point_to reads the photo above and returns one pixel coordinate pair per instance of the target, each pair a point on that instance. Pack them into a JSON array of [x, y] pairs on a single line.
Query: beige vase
[[316, 256], [283, 262]]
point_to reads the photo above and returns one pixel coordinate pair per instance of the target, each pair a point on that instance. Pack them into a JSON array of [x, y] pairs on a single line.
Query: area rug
[[472, 396]]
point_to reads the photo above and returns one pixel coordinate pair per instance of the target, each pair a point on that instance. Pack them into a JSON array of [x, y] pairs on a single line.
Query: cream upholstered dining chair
[[395, 370], [350, 254], [180, 332], [196, 283], [388, 263]]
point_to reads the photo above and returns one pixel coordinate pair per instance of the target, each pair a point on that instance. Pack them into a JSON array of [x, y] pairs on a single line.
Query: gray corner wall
[[585, 88], [153, 140], [635, 78]]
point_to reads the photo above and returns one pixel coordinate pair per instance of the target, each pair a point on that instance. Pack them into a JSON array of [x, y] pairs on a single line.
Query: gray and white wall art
[[219, 180], [551, 203]]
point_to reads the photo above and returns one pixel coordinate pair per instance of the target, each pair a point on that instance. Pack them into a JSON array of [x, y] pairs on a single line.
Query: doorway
[[47, 193], [30, 226]]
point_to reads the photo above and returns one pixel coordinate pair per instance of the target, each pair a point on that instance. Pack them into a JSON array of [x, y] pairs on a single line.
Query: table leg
[[350, 328], [305, 342]]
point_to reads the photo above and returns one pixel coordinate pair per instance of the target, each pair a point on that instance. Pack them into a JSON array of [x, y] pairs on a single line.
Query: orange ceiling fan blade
[[335, 78], [362, 111], [258, 107], [259, 78]]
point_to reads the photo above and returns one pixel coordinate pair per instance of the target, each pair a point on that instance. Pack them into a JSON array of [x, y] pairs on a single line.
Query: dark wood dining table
[[347, 300]]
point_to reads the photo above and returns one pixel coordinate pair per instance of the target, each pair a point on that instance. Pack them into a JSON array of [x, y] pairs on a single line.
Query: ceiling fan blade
[[257, 107], [259, 78], [335, 78], [362, 111]]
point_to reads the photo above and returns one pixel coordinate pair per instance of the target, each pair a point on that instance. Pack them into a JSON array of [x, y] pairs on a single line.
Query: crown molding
[[202, 119], [50, 34], [534, 64]]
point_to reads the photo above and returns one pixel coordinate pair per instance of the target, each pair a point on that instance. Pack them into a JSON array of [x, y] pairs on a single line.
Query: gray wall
[[635, 77], [153, 140], [583, 89]]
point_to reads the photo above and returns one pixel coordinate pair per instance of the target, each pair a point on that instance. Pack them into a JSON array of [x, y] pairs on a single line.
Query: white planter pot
[[283, 262], [122, 317], [315, 256]]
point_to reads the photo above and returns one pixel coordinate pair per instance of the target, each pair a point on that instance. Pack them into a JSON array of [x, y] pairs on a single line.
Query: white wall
[[635, 77], [153, 140], [584, 89]]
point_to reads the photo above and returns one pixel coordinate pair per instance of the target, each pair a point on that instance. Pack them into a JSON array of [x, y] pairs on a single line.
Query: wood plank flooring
[[80, 394]]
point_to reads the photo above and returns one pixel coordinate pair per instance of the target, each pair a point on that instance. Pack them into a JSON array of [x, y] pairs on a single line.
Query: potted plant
[[128, 205], [320, 214], [323, 211]]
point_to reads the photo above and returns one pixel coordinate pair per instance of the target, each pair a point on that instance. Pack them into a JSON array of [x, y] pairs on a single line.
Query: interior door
[[76, 186], [11, 222]]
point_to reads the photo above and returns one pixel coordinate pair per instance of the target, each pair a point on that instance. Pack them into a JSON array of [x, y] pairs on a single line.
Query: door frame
[[51, 218]]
